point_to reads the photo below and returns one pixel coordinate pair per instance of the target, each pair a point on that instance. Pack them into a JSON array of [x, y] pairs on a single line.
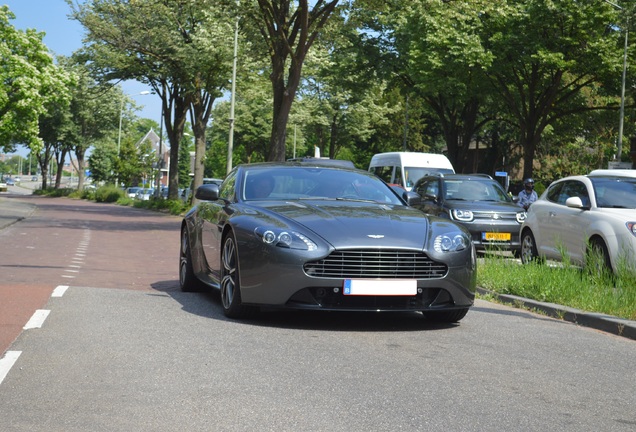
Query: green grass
[[588, 289]]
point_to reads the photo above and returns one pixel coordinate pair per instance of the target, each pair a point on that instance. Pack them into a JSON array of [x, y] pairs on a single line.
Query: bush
[[108, 194]]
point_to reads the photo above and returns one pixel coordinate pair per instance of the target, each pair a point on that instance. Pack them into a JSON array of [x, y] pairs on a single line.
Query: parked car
[[579, 214], [10, 182], [144, 194], [131, 192], [478, 202], [303, 235]]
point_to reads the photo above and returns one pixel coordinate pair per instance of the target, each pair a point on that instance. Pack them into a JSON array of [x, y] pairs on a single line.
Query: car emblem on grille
[[375, 236], [496, 216]]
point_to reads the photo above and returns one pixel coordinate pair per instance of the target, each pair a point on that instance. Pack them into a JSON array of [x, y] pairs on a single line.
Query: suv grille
[[372, 263], [504, 216]]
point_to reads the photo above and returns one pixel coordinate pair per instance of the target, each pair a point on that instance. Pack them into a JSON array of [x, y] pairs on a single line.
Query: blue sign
[[501, 174]]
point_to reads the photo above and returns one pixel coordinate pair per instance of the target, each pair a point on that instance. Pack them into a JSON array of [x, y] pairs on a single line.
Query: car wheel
[[528, 247], [598, 255], [446, 316], [230, 282], [188, 282]]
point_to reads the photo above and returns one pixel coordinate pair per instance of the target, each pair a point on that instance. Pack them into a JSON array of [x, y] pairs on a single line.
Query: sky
[[64, 36]]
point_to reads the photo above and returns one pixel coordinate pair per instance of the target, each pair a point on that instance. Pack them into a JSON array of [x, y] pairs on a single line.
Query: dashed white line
[[59, 291], [37, 319], [7, 362]]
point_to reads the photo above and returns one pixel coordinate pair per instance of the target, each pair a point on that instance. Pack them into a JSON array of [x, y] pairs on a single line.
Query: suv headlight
[[631, 226], [462, 215], [286, 239], [521, 216]]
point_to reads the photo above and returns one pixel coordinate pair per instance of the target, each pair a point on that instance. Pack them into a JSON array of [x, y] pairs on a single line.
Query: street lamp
[[121, 115], [619, 146]]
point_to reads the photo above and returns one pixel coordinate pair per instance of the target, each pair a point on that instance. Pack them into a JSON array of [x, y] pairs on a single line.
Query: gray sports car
[[308, 235]]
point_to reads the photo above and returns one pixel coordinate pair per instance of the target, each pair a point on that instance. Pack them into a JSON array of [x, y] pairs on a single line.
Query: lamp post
[[619, 149], [121, 115]]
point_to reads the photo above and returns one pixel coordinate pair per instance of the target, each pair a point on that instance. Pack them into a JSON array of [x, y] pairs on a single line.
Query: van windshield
[[413, 174]]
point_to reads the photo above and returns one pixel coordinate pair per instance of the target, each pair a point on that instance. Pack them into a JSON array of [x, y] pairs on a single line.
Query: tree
[[30, 82], [181, 48], [288, 33], [548, 60]]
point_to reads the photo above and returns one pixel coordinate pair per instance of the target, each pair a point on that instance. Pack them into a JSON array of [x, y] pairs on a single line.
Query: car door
[[566, 226], [214, 219]]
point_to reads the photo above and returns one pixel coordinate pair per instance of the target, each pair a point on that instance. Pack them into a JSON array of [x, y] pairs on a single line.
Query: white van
[[406, 168]]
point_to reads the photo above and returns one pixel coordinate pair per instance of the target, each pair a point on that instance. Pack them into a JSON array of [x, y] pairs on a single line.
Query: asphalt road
[[121, 348]]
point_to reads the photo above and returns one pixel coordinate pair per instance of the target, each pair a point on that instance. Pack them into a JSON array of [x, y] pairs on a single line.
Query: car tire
[[188, 282], [528, 247], [230, 282], [446, 316], [598, 249]]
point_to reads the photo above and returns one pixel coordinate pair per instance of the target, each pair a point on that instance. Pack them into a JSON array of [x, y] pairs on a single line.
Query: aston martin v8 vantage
[[306, 235]]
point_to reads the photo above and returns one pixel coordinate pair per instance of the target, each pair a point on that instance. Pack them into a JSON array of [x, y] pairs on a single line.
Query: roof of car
[[323, 161], [461, 176], [613, 172]]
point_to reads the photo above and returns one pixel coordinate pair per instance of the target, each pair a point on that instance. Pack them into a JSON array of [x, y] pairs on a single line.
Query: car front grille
[[372, 263], [503, 216]]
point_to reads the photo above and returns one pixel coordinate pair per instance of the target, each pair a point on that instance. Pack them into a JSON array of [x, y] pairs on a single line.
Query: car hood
[[484, 206], [346, 224]]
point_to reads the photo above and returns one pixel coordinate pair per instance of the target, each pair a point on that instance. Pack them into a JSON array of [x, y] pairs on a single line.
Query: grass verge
[[586, 289]]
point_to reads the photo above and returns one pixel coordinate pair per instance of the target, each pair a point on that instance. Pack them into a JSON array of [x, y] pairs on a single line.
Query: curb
[[606, 323]]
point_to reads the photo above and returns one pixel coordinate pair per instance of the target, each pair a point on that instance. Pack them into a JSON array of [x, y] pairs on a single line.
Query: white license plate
[[380, 287]]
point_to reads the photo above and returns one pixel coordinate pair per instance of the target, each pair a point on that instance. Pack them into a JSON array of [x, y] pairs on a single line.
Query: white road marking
[[59, 291], [37, 319], [7, 362]]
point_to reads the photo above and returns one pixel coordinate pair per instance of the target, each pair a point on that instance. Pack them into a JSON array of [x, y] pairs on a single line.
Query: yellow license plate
[[494, 236]]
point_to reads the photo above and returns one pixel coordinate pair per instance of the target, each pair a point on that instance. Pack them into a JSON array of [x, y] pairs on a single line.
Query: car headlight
[[452, 242], [521, 216], [462, 215], [631, 226], [286, 239]]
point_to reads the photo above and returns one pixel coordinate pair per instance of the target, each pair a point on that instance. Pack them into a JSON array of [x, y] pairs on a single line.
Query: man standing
[[527, 196]]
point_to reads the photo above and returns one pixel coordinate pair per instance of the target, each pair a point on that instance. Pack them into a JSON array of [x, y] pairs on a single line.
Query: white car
[[579, 213]]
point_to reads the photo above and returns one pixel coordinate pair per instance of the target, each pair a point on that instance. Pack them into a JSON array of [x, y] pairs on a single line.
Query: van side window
[[398, 176]]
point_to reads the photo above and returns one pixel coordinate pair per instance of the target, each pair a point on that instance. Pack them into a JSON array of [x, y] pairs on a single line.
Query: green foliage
[[586, 289], [108, 194]]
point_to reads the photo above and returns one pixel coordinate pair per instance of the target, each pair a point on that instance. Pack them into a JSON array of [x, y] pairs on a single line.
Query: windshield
[[475, 189], [302, 183], [615, 192]]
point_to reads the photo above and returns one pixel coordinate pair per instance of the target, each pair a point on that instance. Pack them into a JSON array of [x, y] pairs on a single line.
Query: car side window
[[227, 188], [554, 192], [574, 189], [429, 187]]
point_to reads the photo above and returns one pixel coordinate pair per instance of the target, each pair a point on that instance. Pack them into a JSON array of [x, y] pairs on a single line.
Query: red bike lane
[[66, 242]]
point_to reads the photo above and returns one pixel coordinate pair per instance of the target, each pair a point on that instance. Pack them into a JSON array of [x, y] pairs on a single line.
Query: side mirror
[[430, 197], [207, 192], [576, 202], [412, 198]]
